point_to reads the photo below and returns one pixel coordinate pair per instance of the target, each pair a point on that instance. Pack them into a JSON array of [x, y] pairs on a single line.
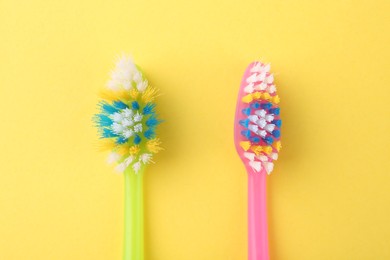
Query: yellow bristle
[[278, 146], [276, 99], [267, 149], [134, 93], [149, 94], [110, 95], [256, 95], [106, 144], [245, 145], [134, 149], [266, 96], [247, 99], [256, 149], [154, 145], [122, 149]]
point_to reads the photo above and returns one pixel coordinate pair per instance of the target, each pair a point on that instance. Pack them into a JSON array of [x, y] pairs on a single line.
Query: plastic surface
[[240, 116], [133, 247], [257, 208], [257, 216]]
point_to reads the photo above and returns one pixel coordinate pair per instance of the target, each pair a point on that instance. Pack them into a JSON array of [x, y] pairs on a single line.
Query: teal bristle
[[137, 139], [135, 105], [244, 123], [246, 133], [150, 133], [246, 111], [148, 109], [120, 105], [107, 108]]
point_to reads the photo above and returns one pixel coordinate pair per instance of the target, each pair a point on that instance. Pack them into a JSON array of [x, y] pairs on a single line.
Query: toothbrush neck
[[257, 216]]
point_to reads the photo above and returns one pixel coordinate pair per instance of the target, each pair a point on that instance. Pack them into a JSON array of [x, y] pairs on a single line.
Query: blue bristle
[[244, 123], [135, 105], [276, 133], [137, 139], [103, 120], [107, 133], [150, 133], [255, 139], [119, 104], [107, 108], [275, 111], [148, 109], [269, 140], [246, 111], [152, 121], [277, 122], [246, 133], [121, 140], [256, 105], [266, 105]]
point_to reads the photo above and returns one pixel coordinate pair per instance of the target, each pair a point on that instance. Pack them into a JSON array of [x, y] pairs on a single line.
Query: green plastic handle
[[133, 248]]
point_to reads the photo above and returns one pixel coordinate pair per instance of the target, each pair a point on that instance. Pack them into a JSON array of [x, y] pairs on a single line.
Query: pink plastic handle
[[257, 216]]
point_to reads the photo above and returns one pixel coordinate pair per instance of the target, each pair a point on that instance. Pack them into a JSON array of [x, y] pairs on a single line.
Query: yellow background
[[329, 195]]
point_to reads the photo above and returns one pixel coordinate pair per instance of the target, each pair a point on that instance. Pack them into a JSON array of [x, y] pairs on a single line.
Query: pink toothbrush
[[257, 139]]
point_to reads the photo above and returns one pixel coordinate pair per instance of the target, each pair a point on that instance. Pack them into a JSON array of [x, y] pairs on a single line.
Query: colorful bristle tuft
[[258, 119], [127, 119]]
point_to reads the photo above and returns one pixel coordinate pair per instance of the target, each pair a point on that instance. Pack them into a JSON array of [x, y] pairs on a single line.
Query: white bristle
[[120, 168], [137, 117], [261, 77], [262, 158], [138, 128], [145, 157], [117, 117], [269, 118], [262, 133], [249, 88], [256, 165], [126, 85], [253, 118], [249, 156], [129, 160], [269, 166], [122, 75], [270, 79], [127, 122], [261, 86], [261, 122], [252, 78], [272, 89], [253, 128], [269, 127], [117, 128], [141, 86], [128, 133], [137, 166], [113, 157], [137, 77], [257, 67], [274, 156], [127, 112], [261, 113], [267, 67], [112, 85]]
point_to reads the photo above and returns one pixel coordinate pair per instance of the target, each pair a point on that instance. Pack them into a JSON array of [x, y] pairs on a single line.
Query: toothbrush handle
[[133, 248], [257, 216]]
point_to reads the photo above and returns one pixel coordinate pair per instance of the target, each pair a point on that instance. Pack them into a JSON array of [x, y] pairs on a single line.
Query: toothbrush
[[257, 140], [127, 124]]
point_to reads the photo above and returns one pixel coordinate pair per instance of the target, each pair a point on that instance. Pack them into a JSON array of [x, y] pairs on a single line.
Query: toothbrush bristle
[[258, 118], [127, 119]]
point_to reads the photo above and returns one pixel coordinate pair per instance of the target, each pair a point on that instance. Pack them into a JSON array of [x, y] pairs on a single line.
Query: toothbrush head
[[257, 122], [127, 119]]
